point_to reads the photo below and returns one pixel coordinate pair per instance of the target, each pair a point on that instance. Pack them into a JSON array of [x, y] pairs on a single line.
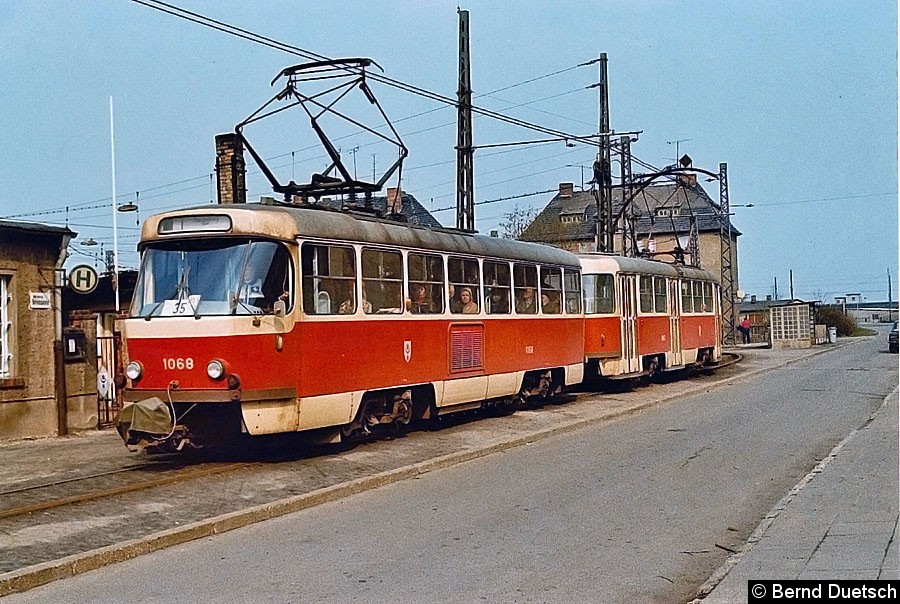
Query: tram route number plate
[[182, 306]]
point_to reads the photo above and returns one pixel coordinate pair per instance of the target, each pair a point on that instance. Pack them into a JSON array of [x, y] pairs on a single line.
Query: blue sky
[[799, 98]]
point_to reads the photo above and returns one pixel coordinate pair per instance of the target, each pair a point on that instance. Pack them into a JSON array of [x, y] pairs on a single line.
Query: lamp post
[[112, 149]]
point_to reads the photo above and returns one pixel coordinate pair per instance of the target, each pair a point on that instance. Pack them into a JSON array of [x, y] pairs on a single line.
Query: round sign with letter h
[[83, 279]]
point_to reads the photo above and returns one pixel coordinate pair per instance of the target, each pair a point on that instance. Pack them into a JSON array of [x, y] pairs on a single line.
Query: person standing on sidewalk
[[745, 330]]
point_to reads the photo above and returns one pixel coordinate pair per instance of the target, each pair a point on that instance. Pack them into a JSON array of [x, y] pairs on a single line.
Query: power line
[[309, 55], [823, 199], [499, 199]]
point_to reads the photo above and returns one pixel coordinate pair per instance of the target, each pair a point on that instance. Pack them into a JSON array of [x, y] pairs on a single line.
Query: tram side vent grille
[[466, 349]]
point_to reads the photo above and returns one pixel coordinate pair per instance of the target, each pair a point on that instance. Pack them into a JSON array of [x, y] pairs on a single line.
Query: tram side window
[[464, 291], [697, 287], [382, 278], [660, 294], [687, 299], [551, 290], [426, 283], [329, 279], [646, 294], [278, 280], [497, 285], [599, 294], [572, 283], [525, 288], [707, 297]]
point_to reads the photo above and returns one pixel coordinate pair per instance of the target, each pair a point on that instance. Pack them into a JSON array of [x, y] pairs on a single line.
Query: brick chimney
[[566, 189], [394, 200], [231, 169], [688, 180]]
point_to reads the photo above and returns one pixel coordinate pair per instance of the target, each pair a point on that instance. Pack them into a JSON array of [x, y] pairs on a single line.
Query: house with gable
[[663, 217]]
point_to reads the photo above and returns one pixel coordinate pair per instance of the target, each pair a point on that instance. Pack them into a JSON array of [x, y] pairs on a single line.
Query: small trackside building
[[32, 387]]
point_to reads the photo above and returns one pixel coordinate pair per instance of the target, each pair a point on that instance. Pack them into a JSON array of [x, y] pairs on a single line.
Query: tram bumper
[[148, 424]]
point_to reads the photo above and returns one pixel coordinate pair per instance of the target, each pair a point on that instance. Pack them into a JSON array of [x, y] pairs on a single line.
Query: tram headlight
[[215, 369], [134, 370]]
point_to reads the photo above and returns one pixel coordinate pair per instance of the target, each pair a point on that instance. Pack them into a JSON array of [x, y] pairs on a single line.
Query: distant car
[[892, 339]]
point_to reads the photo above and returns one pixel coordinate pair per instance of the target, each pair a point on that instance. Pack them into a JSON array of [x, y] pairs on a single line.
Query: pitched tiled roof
[[574, 217], [414, 211]]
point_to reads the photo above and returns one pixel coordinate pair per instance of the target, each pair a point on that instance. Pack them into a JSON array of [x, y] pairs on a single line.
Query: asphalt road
[[640, 509]]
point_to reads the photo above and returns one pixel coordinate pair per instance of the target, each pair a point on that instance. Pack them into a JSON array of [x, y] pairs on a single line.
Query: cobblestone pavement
[[281, 477]]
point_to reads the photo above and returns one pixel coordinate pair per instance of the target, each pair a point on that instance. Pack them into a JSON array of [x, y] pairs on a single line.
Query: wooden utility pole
[[465, 155]]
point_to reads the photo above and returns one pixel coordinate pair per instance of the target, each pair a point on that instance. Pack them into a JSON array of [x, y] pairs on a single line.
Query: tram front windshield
[[212, 277]]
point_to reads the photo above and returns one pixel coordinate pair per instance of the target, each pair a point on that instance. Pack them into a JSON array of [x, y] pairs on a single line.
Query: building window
[[6, 332]]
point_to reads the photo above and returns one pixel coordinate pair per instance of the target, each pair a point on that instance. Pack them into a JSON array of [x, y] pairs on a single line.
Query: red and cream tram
[[643, 316], [263, 318]]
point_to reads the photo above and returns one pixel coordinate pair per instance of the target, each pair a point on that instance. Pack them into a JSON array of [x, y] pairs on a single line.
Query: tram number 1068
[[179, 363]]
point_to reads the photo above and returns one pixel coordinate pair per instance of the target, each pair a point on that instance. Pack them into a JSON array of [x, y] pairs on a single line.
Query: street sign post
[[83, 279]]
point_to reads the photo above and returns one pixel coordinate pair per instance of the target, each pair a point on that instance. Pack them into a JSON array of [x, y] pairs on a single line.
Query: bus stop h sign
[[83, 279]]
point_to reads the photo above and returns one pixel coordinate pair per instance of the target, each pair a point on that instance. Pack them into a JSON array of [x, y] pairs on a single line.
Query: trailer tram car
[[263, 318], [644, 316]]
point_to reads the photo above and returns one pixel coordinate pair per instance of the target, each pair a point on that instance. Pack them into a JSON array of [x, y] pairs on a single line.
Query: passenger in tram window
[[348, 306], [550, 303], [421, 303], [498, 302], [525, 302], [455, 306], [469, 306]]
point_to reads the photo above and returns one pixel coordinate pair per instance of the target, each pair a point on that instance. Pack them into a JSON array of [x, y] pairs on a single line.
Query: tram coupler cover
[[144, 424]]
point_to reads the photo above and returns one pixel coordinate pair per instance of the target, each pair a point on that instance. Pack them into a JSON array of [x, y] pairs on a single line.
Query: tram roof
[[608, 262], [287, 223]]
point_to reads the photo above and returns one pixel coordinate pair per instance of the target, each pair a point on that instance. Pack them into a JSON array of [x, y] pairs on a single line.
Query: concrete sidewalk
[[839, 522]]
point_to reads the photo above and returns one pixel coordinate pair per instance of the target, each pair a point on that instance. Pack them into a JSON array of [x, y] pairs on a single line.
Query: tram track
[[47, 496], [53, 502], [244, 486]]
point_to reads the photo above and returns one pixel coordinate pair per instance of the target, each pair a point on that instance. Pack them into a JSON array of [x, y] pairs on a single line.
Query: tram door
[[676, 357], [631, 361]]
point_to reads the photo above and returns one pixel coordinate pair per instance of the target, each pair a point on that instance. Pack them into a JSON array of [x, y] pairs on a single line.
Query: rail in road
[[60, 534]]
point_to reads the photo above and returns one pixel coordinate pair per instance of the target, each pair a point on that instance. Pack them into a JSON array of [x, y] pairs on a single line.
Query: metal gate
[[109, 399]]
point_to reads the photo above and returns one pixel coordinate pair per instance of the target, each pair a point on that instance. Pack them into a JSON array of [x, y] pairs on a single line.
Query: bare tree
[[516, 221]]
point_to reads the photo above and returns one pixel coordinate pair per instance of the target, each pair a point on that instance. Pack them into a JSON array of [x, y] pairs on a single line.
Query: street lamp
[[130, 207]]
